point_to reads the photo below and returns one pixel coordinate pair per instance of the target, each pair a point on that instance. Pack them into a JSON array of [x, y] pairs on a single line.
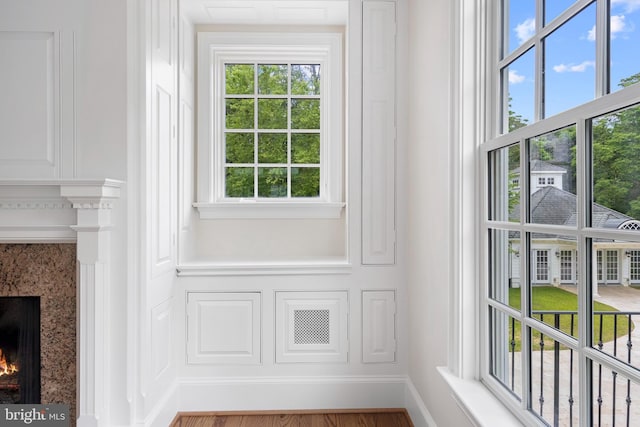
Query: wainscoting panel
[[161, 342], [378, 133], [224, 328], [311, 327], [30, 104], [378, 326]]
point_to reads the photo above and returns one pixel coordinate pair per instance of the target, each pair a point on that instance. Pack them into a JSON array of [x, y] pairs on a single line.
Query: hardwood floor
[[356, 418]]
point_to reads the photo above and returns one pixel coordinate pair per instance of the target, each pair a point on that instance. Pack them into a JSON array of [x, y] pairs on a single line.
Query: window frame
[[218, 48], [494, 139]]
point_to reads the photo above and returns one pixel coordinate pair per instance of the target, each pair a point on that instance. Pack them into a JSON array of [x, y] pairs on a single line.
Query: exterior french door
[[608, 267]]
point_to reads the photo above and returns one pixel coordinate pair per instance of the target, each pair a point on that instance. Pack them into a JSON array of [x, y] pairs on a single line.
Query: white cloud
[[618, 25], [515, 78], [572, 68], [525, 30], [628, 5]]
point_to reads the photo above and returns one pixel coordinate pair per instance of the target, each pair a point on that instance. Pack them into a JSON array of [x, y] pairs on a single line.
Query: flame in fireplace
[[5, 367]]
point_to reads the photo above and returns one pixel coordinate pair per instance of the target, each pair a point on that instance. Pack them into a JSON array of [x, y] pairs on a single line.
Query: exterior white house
[[554, 257]]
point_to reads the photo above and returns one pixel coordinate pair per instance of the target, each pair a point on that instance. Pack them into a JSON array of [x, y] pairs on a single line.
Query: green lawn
[[555, 299]]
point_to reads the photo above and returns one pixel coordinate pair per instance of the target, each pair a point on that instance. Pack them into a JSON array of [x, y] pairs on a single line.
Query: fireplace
[[46, 221], [19, 350]]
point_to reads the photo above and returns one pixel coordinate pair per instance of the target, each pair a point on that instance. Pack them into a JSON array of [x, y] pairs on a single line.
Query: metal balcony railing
[[620, 347]]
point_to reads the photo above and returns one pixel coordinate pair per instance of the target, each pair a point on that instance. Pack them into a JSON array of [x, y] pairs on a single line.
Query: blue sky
[[570, 53]]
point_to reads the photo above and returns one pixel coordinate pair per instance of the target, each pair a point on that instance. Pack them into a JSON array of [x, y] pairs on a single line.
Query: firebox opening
[[19, 350]]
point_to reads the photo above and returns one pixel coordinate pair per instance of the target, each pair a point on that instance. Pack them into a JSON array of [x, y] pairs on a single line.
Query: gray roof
[[550, 205], [542, 166]]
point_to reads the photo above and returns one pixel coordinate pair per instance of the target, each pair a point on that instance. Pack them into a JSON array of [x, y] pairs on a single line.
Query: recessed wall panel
[[378, 133], [378, 326], [161, 334], [29, 107], [224, 328], [162, 174]]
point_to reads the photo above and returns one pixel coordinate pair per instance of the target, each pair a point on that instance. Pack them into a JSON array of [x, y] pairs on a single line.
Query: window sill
[[478, 403], [264, 268], [252, 209]]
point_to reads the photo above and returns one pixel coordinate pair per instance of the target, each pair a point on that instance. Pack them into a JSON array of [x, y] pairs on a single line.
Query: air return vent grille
[[312, 327]]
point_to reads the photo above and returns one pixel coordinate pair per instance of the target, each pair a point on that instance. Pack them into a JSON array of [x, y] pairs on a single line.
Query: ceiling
[[267, 12]]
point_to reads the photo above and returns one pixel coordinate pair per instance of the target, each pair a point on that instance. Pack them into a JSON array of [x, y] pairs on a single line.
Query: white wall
[[66, 62], [93, 142], [429, 210]]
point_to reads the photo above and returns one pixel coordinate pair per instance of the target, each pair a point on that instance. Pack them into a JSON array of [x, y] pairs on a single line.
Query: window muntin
[[272, 130], [569, 77], [519, 24], [271, 135], [616, 170], [567, 266], [624, 38], [552, 152], [553, 8], [575, 230], [634, 265], [518, 103], [505, 342]]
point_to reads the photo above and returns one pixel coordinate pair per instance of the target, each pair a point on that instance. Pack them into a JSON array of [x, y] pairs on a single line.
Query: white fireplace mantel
[[39, 211]]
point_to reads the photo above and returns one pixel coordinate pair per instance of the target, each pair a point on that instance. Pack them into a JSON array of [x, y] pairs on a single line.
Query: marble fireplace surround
[[62, 211]]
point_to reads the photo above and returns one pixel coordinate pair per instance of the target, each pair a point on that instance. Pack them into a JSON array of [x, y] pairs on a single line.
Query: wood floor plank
[[370, 418]]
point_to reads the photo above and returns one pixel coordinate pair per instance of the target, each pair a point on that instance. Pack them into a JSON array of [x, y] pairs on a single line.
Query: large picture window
[[562, 166], [270, 130]]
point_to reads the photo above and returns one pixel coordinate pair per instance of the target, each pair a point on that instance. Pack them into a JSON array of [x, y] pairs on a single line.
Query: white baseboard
[[418, 412], [301, 393], [165, 411], [255, 394]]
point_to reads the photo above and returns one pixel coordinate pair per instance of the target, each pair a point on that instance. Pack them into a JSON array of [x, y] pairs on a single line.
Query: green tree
[[270, 135], [616, 158]]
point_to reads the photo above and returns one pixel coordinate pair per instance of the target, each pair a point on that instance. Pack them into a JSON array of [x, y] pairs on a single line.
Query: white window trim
[[216, 48], [477, 399], [579, 115]]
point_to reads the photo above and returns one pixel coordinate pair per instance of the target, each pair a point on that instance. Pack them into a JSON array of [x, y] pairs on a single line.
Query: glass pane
[[521, 22], [616, 309], [239, 114], [552, 177], [305, 182], [305, 114], [272, 148], [615, 398], [554, 381], [239, 79], [272, 182], [273, 79], [239, 147], [305, 148], [239, 182], [504, 275], [506, 351], [569, 58], [555, 305], [624, 42], [616, 168], [505, 184], [305, 79], [518, 108], [553, 8], [272, 113]]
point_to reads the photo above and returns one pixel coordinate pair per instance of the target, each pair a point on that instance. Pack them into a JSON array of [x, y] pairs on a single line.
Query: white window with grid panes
[[564, 91], [270, 131]]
